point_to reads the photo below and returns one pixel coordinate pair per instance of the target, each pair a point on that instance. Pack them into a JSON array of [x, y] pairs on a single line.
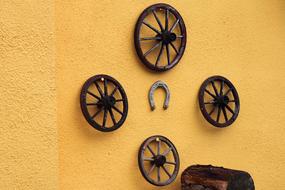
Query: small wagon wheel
[[104, 103], [166, 40], [219, 101], [158, 160]]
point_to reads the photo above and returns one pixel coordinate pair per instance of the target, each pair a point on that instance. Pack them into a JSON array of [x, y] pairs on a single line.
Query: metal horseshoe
[[156, 85]]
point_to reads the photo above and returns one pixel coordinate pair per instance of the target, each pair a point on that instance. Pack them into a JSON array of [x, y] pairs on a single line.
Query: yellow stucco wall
[[48, 49], [241, 40], [28, 132]]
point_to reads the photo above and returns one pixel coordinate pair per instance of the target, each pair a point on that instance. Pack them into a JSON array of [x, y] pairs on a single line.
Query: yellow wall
[[28, 132], [241, 40]]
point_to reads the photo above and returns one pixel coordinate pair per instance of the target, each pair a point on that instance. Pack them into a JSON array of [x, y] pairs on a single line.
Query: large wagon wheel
[[167, 31], [104, 103], [219, 101], [158, 160]]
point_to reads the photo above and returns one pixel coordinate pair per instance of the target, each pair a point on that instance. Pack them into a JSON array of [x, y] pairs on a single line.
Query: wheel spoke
[[214, 108], [92, 104], [151, 27], [157, 20], [150, 38], [225, 113], [106, 87], [210, 93], [166, 19], [172, 45], [158, 147], [114, 91], [179, 36], [151, 169], [219, 113], [172, 163], [158, 174], [167, 172], [95, 96], [174, 25], [168, 55], [221, 88], [95, 114], [99, 89], [112, 116], [211, 102], [166, 152], [148, 159], [159, 55], [119, 111], [151, 49], [105, 117], [119, 100], [226, 93], [232, 101], [214, 87], [151, 151], [230, 109]]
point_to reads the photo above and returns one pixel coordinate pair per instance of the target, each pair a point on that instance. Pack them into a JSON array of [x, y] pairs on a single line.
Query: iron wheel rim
[[144, 14], [84, 104], [217, 106], [141, 160]]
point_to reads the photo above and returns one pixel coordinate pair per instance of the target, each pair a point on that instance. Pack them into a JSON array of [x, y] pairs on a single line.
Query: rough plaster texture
[[241, 40], [28, 133]]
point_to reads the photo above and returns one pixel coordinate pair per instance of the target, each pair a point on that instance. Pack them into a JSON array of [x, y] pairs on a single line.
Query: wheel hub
[[222, 100], [159, 160], [167, 37], [107, 102]]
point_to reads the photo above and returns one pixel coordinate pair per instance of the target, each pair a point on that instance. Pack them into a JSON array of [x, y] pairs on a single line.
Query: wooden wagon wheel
[[218, 96], [168, 33], [158, 160], [104, 103]]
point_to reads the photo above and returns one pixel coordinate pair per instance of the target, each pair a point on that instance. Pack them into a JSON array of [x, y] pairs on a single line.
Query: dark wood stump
[[201, 177]]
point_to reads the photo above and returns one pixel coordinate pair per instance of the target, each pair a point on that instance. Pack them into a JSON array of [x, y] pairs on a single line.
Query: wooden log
[[207, 177]]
